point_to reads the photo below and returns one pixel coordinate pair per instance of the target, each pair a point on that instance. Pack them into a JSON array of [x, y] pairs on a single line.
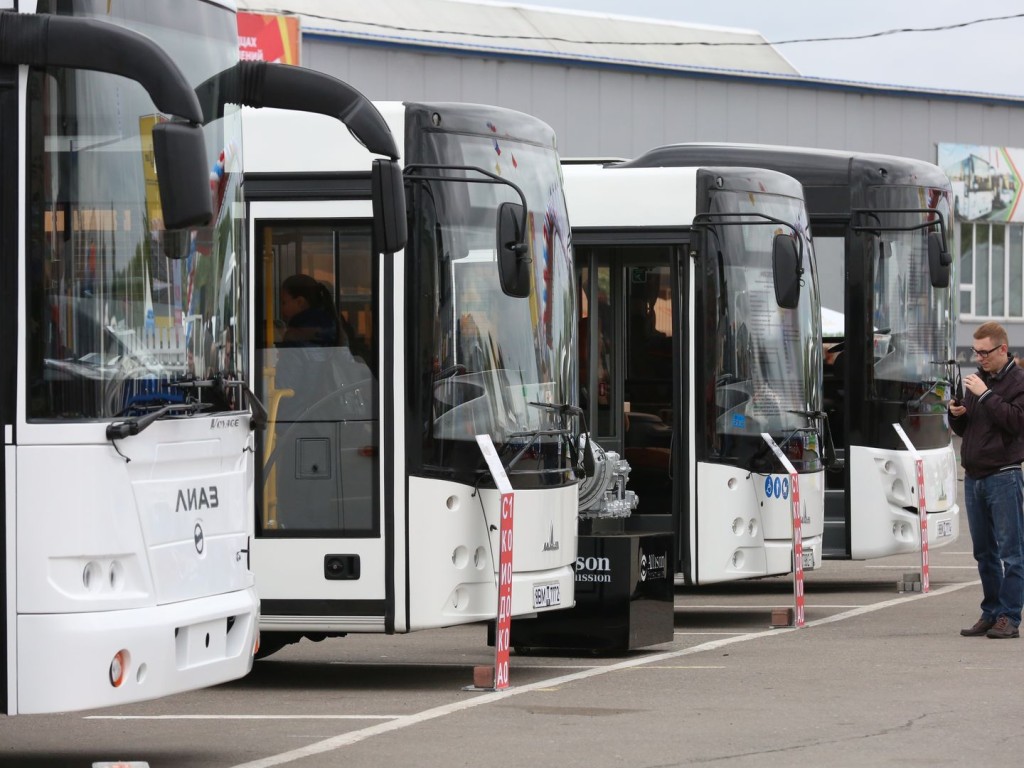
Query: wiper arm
[[831, 460], [260, 416], [564, 411], [119, 430], [219, 385]]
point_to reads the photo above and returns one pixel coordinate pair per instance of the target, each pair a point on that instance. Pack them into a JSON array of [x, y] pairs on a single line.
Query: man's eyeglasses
[[983, 353]]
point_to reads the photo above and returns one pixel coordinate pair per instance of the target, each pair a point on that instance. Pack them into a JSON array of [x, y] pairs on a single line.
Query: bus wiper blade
[[119, 430], [562, 409], [807, 414]]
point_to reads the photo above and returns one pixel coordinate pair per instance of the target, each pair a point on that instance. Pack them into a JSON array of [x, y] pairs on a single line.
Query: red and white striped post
[[922, 508], [503, 626], [798, 540]]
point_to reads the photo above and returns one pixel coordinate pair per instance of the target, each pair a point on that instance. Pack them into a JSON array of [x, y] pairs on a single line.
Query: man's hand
[[957, 410], [976, 386]]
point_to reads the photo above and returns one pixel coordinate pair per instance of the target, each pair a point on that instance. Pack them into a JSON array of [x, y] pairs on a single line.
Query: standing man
[[991, 422]]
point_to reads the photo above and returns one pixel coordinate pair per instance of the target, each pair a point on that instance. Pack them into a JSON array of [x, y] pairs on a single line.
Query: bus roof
[[600, 197], [830, 177]]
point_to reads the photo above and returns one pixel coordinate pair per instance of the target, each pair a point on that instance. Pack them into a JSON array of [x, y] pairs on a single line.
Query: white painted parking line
[[896, 601], [454, 665], [766, 606], [553, 666], [353, 737], [917, 566], [242, 717], [708, 633], [431, 664]]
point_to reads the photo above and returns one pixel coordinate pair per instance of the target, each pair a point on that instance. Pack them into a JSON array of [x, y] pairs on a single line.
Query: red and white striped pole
[[922, 508], [503, 625], [798, 540]]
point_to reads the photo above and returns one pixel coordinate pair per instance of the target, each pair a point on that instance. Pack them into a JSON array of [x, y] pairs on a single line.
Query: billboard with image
[[986, 181]]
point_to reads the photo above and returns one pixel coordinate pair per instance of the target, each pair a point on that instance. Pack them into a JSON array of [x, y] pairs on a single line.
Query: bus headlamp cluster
[[95, 576]]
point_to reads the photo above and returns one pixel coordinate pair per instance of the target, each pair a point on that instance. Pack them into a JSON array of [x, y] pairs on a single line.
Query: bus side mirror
[[939, 261], [786, 271], [387, 191], [513, 251], [179, 151]]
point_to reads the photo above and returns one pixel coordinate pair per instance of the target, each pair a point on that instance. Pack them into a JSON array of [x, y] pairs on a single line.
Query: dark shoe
[[1003, 629], [981, 626]]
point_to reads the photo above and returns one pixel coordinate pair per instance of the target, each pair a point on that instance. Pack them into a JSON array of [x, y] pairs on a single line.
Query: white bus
[[699, 331], [880, 226], [127, 463], [375, 510]]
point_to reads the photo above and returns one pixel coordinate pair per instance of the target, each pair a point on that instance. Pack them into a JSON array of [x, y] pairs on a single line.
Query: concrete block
[[483, 677], [783, 617]]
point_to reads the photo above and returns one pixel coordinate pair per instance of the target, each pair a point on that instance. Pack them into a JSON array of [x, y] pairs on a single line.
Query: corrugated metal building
[[613, 86]]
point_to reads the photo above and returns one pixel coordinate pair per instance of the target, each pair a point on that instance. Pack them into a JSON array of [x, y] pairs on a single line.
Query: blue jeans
[[995, 515]]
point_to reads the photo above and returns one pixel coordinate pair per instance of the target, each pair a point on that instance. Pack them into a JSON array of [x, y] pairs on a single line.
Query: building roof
[[522, 30]]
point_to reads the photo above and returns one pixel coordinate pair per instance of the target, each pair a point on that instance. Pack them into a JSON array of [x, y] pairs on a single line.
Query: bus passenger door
[[626, 365], [647, 387], [318, 550]]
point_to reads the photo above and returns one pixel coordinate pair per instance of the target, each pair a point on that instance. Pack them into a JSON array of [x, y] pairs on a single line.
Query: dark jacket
[[313, 327], [993, 427]]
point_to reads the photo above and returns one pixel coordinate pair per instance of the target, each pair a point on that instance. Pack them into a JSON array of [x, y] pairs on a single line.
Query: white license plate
[[945, 528], [547, 595], [808, 559]]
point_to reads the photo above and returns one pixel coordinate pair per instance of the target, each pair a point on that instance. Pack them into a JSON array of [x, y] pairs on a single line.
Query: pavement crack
[[906, 725]]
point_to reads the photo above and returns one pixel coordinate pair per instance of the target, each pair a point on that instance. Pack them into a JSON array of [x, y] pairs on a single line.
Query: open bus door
[[319, 531]]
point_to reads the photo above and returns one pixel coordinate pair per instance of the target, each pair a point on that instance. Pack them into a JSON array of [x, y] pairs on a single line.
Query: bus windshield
[[766, 360], [913, 321], [493, 355], [119, 307]]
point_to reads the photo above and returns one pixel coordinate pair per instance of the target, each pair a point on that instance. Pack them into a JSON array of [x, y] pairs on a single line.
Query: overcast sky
[[987, 57]]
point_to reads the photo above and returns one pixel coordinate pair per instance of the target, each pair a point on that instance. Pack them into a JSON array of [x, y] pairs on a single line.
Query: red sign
[[504, 626], [922, 513], [798, 550], [265, 37], [922, 508], [798, 529]]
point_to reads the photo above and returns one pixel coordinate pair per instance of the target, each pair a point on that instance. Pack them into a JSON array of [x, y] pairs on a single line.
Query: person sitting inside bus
[[307, 309]]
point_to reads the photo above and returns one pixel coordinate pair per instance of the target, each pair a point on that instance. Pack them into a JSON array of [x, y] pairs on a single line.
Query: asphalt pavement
[[875, 677]]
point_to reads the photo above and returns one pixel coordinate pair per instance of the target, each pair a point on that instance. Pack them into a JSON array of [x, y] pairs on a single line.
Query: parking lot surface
[[877, 676]]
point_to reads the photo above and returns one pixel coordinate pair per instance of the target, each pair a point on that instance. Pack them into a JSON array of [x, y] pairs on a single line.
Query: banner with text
[[267, 37]]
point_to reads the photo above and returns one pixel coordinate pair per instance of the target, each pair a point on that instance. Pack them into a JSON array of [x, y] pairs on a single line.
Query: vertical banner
[[798, 537], [503, 628], [922, 508]]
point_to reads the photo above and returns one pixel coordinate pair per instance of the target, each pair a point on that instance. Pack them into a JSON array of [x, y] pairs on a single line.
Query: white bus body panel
[[883, 486], [64, 659], [454, 564], [145, 551], [630, 198], [281, 141], [743, 533]]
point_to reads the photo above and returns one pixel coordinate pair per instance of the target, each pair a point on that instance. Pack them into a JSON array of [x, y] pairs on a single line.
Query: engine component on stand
[[604, 494]]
